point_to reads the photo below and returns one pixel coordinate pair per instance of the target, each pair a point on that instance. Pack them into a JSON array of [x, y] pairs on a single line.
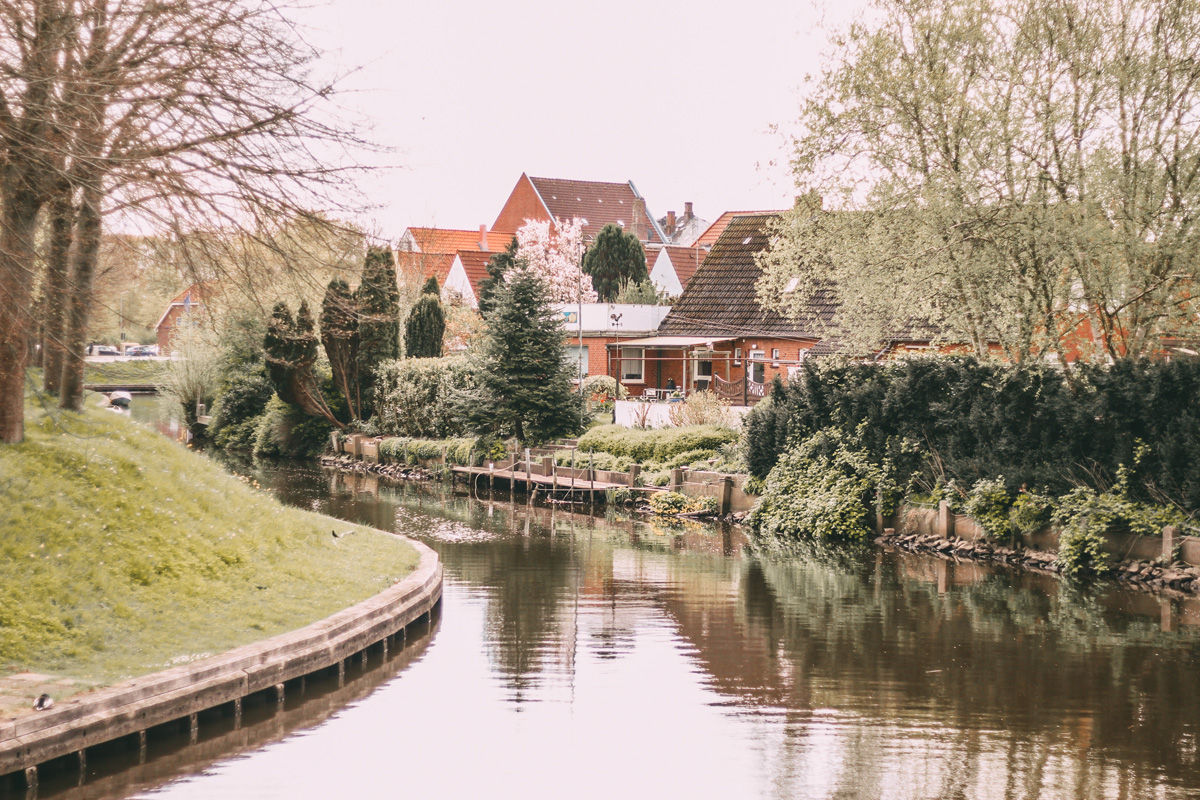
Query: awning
[[672, 341]]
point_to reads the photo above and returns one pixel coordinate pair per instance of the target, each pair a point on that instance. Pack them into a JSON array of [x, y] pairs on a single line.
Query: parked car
[[102, 350]]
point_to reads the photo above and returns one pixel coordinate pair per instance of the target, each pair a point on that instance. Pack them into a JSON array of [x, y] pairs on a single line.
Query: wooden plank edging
[[140, 703]]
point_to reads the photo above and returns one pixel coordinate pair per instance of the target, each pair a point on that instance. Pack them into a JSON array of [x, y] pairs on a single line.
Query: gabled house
[[589, 336], [185, 310], [672, 268], [713, 232], [551, 199], [717, 336], [468, 269]]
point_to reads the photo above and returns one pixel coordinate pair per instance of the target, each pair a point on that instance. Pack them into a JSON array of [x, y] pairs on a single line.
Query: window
[[703, 370], [775, 355], [737, 356], [577, 357], [633, 364]]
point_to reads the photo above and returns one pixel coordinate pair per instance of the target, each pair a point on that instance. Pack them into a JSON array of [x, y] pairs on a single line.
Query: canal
[[613, 656]]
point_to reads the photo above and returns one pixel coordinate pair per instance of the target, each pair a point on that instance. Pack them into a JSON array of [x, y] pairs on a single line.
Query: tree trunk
[[55, 295], [83, 270], [20, 212]]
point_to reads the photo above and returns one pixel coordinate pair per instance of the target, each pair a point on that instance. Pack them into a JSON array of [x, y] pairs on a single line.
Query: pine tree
[[614, 260], [525, 380], [426, 324], [378, 302], [498, 266], [339, 336]]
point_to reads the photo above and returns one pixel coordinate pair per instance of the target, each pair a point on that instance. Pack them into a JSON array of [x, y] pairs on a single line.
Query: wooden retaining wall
[[182, 692]]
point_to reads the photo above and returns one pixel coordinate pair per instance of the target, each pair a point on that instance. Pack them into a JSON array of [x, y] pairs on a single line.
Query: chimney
[[639, 214], [670, 223], [483, 238], [687, 211]]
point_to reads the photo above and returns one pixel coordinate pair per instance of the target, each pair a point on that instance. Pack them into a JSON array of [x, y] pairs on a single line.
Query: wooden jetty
[[547, 476]]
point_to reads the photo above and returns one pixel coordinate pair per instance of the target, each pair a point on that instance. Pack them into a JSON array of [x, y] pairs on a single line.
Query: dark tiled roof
[[599, 203], [714, 231], [720, 298]]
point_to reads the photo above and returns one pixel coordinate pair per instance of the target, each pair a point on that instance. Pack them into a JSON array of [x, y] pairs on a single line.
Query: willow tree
[[1001, 171]]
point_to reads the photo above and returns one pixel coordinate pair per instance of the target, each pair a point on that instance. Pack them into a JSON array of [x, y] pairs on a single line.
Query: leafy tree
[[1004, 171], [340, 337], [524, 381], [498, 266], [291, 351], [378, 302], [614, 261], [426, 324]]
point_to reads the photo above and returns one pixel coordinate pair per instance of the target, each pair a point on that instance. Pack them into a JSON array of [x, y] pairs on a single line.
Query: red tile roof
[[597, 202], [449, 240], [475, 265], [422, 265], [686, 261]]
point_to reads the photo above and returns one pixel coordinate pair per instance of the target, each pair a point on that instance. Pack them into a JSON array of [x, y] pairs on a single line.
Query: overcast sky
[[678, 97]]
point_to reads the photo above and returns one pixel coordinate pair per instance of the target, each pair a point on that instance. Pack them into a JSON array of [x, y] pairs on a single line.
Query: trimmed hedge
[[1035, 425], [418, 396], [656, 444]]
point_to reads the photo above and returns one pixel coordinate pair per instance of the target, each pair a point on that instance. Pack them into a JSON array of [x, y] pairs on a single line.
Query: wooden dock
[[547, 477]]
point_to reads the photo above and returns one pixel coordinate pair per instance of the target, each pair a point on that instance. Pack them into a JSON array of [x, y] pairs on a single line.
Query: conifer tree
[[378, 301], [524, 382], [498, 266], [426, 324], [615, 260], [291, 350], [340, 337]]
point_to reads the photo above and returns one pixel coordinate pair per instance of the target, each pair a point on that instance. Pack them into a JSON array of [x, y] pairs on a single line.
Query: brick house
[[588, 338], [673, 267], [716, 335], [185, 309], [551, 199]]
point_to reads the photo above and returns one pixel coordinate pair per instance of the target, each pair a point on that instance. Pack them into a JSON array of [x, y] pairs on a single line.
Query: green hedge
[[419, 396], [656, 444], [464, 451], [1037, 426]]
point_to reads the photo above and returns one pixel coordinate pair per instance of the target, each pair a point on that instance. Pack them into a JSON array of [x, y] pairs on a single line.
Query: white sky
[[677, 97]]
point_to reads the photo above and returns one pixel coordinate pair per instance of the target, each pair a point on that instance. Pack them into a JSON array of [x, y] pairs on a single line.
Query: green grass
[[123, 553], [148, 372]]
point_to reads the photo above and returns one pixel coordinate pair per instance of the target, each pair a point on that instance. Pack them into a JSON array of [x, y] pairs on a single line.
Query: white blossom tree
[[553, 253]]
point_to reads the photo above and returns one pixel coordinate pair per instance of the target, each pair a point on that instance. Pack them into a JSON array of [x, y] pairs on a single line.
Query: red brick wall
[[521, 205]]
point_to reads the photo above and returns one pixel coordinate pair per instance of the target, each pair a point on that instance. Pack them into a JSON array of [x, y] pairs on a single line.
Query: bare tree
[[171, 112]]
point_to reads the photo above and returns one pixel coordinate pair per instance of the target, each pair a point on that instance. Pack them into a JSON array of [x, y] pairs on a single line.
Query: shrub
[[603, 387], [285, 431], [823, 489], [691, 458], [700, 408], [236, 412], [1031, 512], [988, 503], [754, 486], [668, 503], [418, 394]]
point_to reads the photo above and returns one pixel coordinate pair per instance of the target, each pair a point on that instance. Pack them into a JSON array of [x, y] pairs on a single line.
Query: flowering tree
[[553, 254]]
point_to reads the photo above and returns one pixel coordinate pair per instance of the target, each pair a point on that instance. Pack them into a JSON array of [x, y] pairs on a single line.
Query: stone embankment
[[181, 693], [1169, 578]]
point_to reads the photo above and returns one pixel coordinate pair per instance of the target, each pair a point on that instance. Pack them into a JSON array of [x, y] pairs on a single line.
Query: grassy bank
[[123, 553], [147, 372]]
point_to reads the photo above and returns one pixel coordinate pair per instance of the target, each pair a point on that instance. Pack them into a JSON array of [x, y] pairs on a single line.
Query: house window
[[702, 372], [633, 365], [737, 356], [577, 357], [775, 356]]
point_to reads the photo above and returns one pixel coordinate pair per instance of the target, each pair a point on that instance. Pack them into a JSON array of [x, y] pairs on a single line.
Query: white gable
[[663, 275], [457, 283]]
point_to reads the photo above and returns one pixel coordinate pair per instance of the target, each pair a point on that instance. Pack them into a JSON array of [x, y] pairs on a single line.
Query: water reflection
[[601, 656], [844, 674]]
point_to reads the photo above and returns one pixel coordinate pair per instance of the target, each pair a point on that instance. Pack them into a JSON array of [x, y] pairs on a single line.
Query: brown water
[[608, 657]]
